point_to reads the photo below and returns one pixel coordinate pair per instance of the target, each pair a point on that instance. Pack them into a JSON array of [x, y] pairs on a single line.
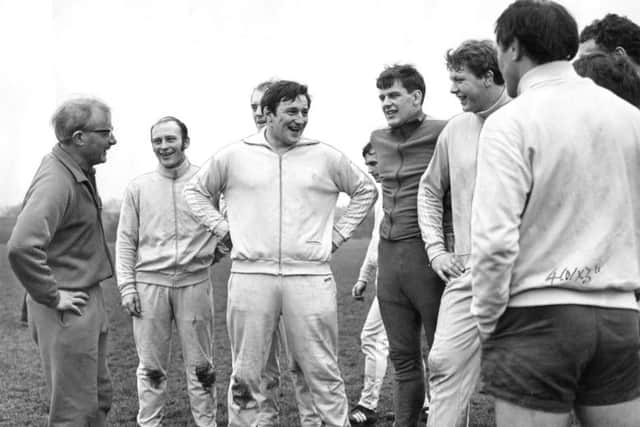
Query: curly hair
[[478, 56], [614, 31], [613, 72]]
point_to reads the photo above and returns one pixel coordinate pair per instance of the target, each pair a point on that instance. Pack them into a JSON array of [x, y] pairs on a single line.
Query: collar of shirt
[[175, 173], [260, 138], [407, 128], [551, 72], [79, 172]]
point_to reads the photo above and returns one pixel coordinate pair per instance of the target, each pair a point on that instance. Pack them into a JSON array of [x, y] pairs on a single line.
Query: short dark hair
[[184, 132], [544, 29], [613, 31], [478, 56], [367, 149], [613, 72], [406, 74], [283, 90]]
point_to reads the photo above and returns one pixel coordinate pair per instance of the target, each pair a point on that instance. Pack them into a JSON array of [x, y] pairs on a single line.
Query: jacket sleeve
[[42, 214], [503, 183], [369, 268], [127, 241], [351, 180], [434, 186], [202, 195]]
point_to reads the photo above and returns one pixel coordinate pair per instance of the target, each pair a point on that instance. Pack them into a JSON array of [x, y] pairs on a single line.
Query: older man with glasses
[[59, 253]]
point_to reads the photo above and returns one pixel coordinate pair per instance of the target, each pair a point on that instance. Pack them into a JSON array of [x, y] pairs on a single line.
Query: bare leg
[[510, 415], [625, 414]]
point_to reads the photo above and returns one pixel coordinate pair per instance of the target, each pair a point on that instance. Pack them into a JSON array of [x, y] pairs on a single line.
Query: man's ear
[[619, 50], [417, 96], [77, 138], [515, 50], [488, 78], [185, 143]]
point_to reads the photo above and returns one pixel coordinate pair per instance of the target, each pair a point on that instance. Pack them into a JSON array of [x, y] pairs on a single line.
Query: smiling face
[[398, 105], [286, 125], [472, 92], [258, 118], [167, 144]]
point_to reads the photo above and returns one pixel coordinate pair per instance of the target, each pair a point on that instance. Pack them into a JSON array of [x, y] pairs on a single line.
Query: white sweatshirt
[[452, 170], [158, 241], [556, 209], [280, 207]]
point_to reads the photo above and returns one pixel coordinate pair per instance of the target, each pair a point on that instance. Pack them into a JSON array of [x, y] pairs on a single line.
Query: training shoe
[[360, 415]]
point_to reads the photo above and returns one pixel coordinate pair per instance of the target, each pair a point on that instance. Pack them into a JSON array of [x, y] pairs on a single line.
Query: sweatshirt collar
[[259, 138], [551, 72], [502, 99], [79, 172], [406, 129], [175, 173]]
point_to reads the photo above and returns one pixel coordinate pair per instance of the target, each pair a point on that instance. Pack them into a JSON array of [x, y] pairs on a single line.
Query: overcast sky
[[200, 59]]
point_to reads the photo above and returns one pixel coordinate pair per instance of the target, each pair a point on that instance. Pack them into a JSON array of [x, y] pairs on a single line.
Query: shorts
[[550, 358]]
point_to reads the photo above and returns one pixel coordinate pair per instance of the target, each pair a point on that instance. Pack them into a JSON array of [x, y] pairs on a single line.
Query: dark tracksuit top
[[403, 155]]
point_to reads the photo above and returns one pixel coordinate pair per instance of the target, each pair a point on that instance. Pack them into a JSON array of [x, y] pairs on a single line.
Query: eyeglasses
[[105, 132]]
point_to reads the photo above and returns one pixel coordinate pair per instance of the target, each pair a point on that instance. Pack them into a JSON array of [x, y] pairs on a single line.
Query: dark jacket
[[58, 241], [403, 155]]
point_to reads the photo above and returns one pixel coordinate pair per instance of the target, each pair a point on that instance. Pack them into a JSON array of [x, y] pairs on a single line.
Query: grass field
[[22, 396]]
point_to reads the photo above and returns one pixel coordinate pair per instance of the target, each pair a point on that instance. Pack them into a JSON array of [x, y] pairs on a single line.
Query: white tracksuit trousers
[[191, 309]]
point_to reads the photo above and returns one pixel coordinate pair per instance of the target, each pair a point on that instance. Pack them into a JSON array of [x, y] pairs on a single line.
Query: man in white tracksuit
[[281, 190], [271, 381], [163, 257], [454, 358]]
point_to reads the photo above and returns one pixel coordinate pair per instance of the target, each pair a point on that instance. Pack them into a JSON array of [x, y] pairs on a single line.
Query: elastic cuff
[[221, 230], [434, 251], [485, 332], [127, 289], [337, 239], [433, 258]]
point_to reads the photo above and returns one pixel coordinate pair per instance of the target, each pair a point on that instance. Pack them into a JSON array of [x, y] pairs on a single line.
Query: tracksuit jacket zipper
[[280, 214], [175, 222], [395, 194]]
